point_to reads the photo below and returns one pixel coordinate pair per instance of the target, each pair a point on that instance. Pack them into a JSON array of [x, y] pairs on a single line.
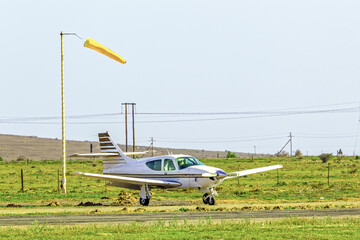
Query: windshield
[[184, 162]]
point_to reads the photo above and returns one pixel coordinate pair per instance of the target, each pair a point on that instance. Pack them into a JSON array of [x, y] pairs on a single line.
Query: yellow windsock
[[94, 45]]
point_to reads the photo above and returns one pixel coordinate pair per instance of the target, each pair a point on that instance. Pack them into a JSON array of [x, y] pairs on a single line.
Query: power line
[[216, 141], [247, 115]]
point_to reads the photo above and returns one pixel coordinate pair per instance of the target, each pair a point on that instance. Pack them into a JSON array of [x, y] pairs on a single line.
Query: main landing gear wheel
[[211, 200], [208, 199], [205, 198], [144, 201]]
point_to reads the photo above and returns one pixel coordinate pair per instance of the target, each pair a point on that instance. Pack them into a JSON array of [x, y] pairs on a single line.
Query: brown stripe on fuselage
[[112, 157], [158, 175]]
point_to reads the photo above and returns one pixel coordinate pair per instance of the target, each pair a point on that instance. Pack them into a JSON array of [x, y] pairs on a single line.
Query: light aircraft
[[170, 171]]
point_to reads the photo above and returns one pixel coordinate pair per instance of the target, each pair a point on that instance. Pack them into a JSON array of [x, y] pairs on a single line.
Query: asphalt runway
[[23, 220]]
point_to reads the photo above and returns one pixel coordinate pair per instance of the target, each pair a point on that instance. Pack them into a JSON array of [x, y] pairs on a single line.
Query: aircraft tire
[[211, 200], [205, 198], [144, 201]]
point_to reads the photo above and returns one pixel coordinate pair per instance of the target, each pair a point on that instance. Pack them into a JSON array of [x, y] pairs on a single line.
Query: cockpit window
[[184, 162], [154, 165]]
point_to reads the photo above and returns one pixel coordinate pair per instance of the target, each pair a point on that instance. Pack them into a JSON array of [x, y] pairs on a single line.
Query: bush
[[21, 158], [230, 155], [325, 157], [282, 154], [1, 159], [298, 153]]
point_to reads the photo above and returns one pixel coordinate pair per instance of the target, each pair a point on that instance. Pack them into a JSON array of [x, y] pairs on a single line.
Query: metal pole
[[133, 125], [63, 182]]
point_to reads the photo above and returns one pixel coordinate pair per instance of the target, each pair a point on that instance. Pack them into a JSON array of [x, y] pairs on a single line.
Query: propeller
[[219, 174]]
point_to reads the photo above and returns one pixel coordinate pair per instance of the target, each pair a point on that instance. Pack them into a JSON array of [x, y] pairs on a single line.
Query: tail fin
[[107, 145]]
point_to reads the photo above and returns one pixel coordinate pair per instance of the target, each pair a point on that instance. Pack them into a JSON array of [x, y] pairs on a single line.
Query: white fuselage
[[189, 177]]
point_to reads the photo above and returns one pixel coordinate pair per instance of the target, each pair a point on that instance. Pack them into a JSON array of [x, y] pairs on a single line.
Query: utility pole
[[290, 145], [126, 132], [126, 124], [133, 124]]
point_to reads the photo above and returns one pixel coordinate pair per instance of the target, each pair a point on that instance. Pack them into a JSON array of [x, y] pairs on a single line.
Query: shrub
[[298, 153], [230, 155], [325, 157], [21, 158], [282, 154], [1, 159]]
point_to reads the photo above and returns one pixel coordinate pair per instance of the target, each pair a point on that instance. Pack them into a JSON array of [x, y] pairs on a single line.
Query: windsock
[[94, 45]]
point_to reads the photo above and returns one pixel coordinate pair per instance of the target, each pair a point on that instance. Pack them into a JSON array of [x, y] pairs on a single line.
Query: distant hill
[[34, 148]]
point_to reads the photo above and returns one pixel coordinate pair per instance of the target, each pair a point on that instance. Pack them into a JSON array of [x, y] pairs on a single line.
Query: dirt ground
[[35, 148], [164, 206], [97, 218]]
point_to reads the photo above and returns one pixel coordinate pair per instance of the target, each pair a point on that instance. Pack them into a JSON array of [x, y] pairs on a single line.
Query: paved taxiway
[[19, 220]]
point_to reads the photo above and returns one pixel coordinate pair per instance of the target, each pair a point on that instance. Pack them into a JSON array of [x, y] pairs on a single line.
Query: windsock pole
[[92, 44], [63, 181]]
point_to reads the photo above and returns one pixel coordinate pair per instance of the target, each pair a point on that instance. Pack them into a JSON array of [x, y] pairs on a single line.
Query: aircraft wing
[[252, 171], [86, 155], [130, 180]]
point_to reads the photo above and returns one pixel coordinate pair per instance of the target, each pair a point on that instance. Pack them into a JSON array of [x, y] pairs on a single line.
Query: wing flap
[[130, 180], [252, 171]]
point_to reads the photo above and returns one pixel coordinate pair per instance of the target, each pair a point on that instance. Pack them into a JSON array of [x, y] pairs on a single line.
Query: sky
[[225, 75]]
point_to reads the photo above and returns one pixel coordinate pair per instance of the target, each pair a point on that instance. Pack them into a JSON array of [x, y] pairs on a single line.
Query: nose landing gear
[[144, 201]]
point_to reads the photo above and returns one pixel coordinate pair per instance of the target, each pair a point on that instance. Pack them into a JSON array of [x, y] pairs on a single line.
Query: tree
[[230, 155], [298, 153], [325, 157], [282, 154]]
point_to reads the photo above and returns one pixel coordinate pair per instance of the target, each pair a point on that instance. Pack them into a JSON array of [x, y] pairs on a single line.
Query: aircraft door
[[170, 170]]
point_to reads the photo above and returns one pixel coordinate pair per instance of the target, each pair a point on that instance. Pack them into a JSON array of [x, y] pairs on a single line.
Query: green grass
[[301, 180], [289, 228]]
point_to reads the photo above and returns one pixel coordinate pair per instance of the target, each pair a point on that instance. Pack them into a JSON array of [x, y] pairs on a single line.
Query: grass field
[[301, 180], [290, 228]]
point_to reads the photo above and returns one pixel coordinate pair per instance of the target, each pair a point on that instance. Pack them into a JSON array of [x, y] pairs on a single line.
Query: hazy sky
[[186, 57]]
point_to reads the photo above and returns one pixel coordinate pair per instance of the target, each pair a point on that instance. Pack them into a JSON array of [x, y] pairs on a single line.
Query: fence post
[[58, 182], [238, 177], [328, 174], [22, 180]]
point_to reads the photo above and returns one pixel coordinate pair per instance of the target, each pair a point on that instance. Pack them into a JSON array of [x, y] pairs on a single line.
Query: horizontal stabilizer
[[85, 155], [252, 171], [130, 180]]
